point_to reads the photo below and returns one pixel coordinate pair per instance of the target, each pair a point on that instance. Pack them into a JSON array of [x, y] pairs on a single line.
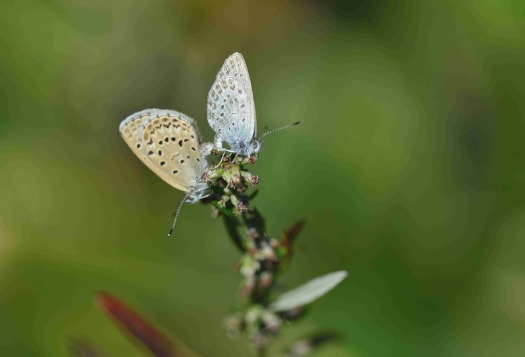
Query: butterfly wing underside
[[168, 143], [231, 109]]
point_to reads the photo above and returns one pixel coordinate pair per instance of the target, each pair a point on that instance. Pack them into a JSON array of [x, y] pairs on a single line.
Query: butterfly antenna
[[280, 128], [177, 214]]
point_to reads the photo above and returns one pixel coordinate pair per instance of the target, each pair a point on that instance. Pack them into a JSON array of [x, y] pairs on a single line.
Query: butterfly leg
[[236, 155], [222, 158]]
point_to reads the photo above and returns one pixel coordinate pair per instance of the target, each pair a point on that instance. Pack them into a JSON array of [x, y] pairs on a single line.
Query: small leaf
[[304, 346], [288, 238], [257, 220], [232, 226], [308, 292], [291, 233], [253, 194], [140, 329]]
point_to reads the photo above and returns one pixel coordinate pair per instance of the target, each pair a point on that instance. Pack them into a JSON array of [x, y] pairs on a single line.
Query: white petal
[[308, 292]]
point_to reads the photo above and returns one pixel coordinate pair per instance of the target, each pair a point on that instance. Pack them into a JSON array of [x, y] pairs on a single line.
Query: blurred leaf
[[254, 194], [257, 220], [291, 233], [294, 314], [80, 348], [289, 236], [140, 329], [232, 224], [308, 344], [308, 292]]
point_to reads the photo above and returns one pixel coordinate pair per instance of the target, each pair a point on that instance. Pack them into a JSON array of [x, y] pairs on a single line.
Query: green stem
[[246, 227]]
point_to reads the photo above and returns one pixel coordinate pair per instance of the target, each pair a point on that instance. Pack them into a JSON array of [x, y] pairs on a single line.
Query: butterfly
[[169, 143], [231, 109]]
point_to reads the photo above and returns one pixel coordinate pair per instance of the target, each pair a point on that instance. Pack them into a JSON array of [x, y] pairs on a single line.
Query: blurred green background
[[408, 166]]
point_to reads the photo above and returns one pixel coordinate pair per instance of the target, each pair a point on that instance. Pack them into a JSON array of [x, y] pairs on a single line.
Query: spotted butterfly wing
[[231, 109], [168, 143]]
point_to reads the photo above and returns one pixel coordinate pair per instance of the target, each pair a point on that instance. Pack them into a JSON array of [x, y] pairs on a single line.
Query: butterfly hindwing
[[169, 144], [129, 130], [231, 109]]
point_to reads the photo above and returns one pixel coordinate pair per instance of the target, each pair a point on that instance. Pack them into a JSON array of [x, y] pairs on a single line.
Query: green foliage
[[263, 257], [408, 167]]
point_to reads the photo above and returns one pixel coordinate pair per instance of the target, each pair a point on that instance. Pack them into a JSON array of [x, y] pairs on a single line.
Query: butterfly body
[[168, 142]]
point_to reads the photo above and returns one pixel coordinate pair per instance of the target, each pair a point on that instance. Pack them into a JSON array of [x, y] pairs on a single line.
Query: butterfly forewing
[[168, 143], [231, 110]]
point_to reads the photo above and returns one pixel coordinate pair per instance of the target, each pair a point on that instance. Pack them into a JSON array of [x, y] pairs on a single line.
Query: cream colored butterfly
[[169, 143]]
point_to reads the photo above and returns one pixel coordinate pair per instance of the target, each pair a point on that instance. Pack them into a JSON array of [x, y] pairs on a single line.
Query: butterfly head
[[255, 146], [198, 191], [248, 149]]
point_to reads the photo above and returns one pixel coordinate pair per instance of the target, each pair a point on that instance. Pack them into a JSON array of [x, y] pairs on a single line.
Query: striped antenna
[[280, 128], [177, 214]]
